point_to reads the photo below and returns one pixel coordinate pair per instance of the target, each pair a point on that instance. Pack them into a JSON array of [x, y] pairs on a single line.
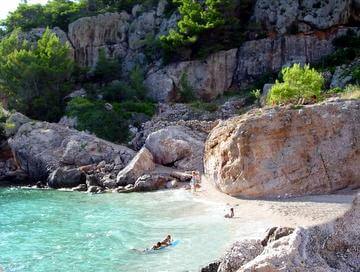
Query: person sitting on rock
[[167, 241], [231, 214]]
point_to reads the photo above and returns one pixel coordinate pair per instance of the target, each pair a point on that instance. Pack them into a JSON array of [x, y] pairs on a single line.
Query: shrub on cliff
[[300, 84], [93, 116], [195, 18], [187, 93], [351, 92], [105, 121], [132, 88], [106, 69], [35, 78]]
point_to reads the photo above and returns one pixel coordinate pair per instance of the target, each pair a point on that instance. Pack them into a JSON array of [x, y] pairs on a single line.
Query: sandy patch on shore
[[299, 211]]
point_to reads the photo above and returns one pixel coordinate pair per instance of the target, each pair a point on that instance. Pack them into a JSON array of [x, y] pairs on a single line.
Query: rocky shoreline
[[332, 246], [59, 157]]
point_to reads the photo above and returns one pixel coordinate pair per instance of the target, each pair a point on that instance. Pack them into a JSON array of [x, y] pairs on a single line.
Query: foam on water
[[68, 231]]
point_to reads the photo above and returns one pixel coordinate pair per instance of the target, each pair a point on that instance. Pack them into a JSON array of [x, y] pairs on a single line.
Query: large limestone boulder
[[284, 16], [286, 152], [209, 78], [269, 55], [41, 147], [177, 146], [151, 182], [141, 164]]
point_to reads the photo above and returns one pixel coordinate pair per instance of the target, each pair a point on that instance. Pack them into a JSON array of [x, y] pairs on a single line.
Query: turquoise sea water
[[46, 230]]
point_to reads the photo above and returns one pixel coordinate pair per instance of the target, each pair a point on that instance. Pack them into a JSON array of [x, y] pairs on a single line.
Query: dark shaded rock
[[211, 267], [92, 180], [276, 233], [66, 178]]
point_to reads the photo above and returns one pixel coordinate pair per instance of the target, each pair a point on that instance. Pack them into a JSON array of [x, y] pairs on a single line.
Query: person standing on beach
[[194, 181]]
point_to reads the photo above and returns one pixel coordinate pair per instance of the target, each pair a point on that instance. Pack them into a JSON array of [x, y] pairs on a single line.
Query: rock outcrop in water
[[334, 246], [287, 152], [40, 148]]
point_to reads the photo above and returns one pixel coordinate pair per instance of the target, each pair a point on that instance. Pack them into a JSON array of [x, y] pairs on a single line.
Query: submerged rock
[[286, 152]]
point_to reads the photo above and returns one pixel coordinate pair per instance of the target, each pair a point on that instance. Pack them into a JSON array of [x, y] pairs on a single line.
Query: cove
[[47, 230]]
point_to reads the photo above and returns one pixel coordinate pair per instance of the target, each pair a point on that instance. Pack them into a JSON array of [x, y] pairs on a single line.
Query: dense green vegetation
[[35, 77], [108, 121], [205, 27], [300, 84], [196, 17], [112, 102], [186, 92], [55, 13]]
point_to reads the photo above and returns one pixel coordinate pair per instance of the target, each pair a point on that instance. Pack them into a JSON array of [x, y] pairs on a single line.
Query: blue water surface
[[48, 230]]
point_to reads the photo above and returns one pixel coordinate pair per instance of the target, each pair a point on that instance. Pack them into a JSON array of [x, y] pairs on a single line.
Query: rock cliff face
[[286, 152], [241, 67], [128, 36], [120, 35], [329, 247], [106, 31], [41, 148], [284, 16], [256, 58], [208, 78]]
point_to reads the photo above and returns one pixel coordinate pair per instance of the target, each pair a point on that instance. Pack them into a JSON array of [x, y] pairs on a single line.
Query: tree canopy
[[35, 76]]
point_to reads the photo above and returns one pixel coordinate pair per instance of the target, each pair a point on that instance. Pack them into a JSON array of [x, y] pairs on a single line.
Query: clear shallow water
[[70, 231]]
